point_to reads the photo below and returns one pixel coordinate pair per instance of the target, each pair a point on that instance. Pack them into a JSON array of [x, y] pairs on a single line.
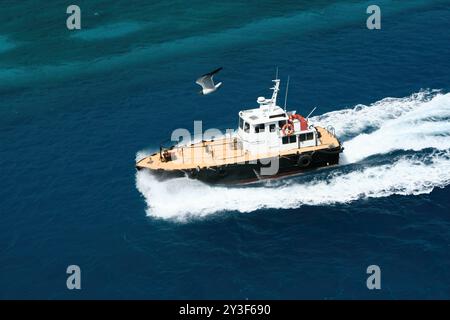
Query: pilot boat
[[268, 143]]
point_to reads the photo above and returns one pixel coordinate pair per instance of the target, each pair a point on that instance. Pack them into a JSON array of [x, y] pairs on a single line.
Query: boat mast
[[276, 89], [268, 105]]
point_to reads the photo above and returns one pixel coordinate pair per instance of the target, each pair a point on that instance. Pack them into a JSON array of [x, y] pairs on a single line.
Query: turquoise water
[[76, 107]]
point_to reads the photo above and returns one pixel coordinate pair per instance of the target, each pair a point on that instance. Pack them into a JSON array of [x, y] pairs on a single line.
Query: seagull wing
[[212, 73], [206, 82]]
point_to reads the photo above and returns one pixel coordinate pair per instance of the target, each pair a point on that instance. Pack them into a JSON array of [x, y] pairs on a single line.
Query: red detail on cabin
[[303, 121]]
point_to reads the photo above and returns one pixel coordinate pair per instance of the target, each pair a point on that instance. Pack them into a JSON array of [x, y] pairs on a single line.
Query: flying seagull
[[207, 82]]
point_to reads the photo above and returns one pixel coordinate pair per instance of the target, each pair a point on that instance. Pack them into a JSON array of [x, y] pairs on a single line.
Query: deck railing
[[331, 130]]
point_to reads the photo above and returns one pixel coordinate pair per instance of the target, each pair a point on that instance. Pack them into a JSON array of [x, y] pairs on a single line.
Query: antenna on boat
[[285, 97], [314, 109], [273, 101]]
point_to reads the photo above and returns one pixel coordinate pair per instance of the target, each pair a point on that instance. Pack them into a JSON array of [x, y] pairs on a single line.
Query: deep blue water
[[77, 106]]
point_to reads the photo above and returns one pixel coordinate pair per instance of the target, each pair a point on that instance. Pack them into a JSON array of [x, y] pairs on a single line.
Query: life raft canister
[[303, 121]]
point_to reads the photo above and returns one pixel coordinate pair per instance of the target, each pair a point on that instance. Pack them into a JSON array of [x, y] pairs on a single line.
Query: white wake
[[420, 122]]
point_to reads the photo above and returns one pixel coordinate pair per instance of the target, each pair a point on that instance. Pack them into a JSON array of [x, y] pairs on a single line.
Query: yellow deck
[[223, 152]]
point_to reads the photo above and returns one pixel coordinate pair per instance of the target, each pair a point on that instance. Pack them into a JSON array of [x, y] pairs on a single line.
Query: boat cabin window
[[306, 136], [289, 139], [281, 123], [272, 127], [246, 127], [259, 128], [241, 123], [277, 115]]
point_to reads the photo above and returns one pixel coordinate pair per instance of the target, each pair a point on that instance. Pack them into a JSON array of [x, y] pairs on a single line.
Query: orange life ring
[[288, 129]]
